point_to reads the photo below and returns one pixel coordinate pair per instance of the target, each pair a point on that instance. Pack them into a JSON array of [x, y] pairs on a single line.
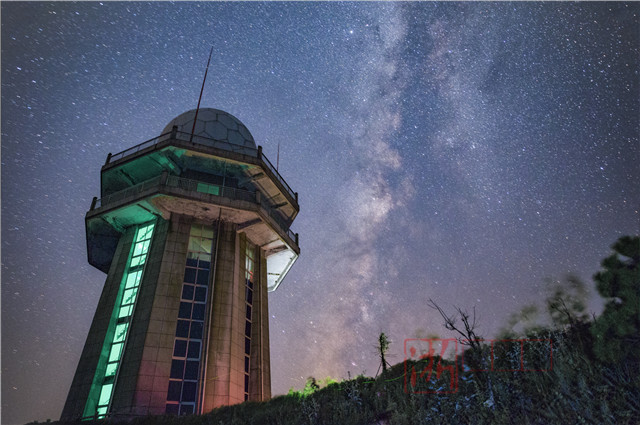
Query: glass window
[[246, 364], [174, 390], [189, 275], [201, 294], [180, 348], [187, 292], [172, 409], [189, 391], [198, 312], [121, 332], [182, 329], [248, 312], [203, 277], [196, 330], [129, 296], [191, 370], [111, 369], [177, 369], [247, 346], [116, 350], [194, 350], [105, 395], [185, 310]]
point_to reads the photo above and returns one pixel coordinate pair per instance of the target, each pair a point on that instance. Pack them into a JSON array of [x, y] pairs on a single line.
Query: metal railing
[[206, 141], [201, 187], [126, 193]]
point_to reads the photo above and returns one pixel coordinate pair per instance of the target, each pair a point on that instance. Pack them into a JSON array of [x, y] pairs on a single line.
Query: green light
[[111, 356]]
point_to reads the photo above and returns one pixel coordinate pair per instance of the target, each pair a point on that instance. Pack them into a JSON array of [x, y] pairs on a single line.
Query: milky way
[[455, 151]]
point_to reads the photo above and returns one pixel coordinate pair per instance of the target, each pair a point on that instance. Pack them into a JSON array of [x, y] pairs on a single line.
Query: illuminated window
[[114, 344], [188, 343]]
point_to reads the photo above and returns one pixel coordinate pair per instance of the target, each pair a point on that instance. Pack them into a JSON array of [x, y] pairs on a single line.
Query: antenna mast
[[193, 129]]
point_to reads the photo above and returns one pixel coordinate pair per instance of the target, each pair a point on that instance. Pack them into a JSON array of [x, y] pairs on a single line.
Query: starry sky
[[457, 151]]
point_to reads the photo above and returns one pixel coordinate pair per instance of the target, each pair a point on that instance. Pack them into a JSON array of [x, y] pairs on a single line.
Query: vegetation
[[578, 371]]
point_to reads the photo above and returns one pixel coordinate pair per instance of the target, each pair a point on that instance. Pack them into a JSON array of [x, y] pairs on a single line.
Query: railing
[[202, 187], [126, 193], [214, 143]]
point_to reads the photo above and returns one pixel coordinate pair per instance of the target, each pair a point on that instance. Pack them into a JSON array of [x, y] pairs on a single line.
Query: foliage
[[617, 330]]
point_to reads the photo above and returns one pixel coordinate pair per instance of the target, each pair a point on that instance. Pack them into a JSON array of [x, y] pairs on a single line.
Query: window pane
[[249, 296], [121, 332], [201, 294], [174, 391], [111, 369], [246, 364], [192, 259], [247, 346], [125, 311], [189, 391], [247, 329], [105, 395], [136, 261], [133, 279], [248, 312], [186, 409], [198, 312], [187, 292], [177, 369], [191, 370], [182, 329], [185, 310], [194, 350], [129, 296], [204, 261], [172, 409], [116, 350], [203, 277], [189, 275], [180, 348], [246, 383], [196, 330]]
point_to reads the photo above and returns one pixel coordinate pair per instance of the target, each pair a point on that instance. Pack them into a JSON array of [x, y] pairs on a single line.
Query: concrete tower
[[192, 233]]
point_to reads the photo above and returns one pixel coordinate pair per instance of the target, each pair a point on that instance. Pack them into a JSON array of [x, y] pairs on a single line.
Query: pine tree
[[617, 330]]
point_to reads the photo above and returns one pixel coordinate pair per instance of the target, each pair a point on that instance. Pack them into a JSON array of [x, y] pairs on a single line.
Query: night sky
[[460, 152]]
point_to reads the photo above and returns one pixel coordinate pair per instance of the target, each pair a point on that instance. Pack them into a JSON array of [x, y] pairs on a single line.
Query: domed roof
[[213, 124]]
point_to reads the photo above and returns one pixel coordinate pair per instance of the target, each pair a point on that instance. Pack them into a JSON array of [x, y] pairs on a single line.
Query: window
[[250, 259], [187, 347], [114, 345]]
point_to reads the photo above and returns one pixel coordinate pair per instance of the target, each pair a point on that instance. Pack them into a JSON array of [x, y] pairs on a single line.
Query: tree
[[383, 347], [469, 337], [617, 330], [567, 302]]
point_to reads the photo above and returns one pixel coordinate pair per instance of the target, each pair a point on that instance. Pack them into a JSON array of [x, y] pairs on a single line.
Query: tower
[[193, 232]]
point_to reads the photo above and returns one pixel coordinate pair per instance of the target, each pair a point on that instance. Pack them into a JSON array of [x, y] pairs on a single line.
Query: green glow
[[208, 188], [116, 351], [133, 279], [111, 370], [105, 394], [112, 351], [125, 311], [121, 332]]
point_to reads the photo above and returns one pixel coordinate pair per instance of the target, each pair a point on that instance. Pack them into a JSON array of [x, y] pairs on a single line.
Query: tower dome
[[213, 124]]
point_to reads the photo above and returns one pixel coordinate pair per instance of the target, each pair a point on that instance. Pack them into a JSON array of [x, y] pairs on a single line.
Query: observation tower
[[193, 231]]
